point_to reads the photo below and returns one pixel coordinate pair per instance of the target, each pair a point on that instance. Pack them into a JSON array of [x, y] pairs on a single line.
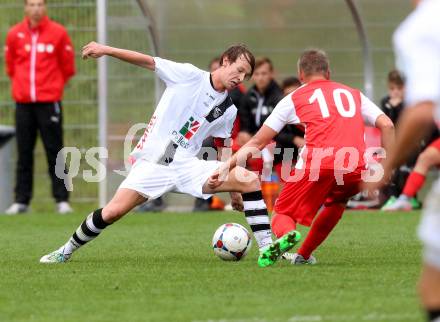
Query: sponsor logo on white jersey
[[186, 132]]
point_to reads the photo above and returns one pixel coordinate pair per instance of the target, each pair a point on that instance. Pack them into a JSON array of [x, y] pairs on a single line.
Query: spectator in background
[[291, 133], [290, 84], [290, 137], [259, 101], [257, 104], [255, 108], [392, 105], [39, 60]]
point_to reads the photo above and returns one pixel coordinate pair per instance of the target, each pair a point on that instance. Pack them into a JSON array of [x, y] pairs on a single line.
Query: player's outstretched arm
[[262, 138], [386, 127], [95, 50], [258, 142], [412, 127]]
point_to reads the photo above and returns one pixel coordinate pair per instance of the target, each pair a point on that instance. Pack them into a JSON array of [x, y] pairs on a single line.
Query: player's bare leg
[[247, 183], [322, 226], [429, 289], [282, 224], [123, 201]]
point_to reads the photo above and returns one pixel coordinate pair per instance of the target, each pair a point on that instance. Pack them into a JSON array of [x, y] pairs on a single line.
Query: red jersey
[[39, 61], [333, 116]]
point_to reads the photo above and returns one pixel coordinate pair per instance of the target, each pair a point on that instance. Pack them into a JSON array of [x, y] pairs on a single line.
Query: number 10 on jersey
[[344, 111]]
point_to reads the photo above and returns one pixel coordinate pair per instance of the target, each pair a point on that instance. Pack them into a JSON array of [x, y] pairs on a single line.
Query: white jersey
[[189, 111], [417, 47]]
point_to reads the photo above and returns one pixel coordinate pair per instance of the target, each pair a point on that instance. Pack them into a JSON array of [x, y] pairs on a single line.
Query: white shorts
[[429, 228], [187, 176]]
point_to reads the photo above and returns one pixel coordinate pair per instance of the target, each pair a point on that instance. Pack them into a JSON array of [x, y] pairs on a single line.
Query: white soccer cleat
[[297, 259], [55, 257], [228, 207], [64, 208], [401, 203], [17, 208]]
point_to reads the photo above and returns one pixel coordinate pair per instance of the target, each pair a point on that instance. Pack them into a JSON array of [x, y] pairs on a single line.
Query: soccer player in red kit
[[329, 168]]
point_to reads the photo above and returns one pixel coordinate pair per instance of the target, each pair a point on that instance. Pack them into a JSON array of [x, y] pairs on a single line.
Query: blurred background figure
[[256, 105], [39, 60], [290, 84], [392, 105], [295, 134], [290, 137], [259, 101], [417, 49]]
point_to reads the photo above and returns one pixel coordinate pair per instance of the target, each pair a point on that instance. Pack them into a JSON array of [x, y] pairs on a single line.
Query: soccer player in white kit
[[417, 47], [194, 106]]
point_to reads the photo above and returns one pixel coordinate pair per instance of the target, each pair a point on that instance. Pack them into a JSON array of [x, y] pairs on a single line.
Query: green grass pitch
[[160, 267]]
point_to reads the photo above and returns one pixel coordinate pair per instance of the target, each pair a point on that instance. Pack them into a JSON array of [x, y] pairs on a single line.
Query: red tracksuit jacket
[[39, 61]]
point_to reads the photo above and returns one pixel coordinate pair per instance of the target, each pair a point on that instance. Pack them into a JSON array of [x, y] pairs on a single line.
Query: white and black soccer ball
[[231, 242]]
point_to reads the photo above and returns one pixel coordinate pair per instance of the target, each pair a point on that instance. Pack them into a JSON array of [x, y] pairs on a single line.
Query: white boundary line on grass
[[382, 317]]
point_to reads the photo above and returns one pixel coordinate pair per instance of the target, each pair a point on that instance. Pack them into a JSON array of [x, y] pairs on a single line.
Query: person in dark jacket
[[258, 104], [259, 101], [291, 136], [392, 105]]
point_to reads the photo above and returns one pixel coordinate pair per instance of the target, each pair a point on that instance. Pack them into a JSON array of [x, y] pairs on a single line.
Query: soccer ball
[[231, 242]]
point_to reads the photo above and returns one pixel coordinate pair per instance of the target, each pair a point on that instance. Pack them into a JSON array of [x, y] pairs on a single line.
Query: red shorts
[[302, 199]]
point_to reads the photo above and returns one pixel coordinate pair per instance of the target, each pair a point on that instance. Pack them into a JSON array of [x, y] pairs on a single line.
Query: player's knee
[[427, 158], [422, 159], [425, 293], [112, 213], [251, 183], [429, 288]]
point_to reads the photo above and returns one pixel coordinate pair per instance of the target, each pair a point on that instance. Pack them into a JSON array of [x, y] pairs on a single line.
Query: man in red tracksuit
[[39, 60]]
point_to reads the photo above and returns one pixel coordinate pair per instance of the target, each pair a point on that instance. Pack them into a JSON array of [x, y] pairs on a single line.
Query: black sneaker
[[201, 204], [157, 205]]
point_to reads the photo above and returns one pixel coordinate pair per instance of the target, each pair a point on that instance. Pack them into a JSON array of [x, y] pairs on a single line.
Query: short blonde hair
[[313, 61]]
